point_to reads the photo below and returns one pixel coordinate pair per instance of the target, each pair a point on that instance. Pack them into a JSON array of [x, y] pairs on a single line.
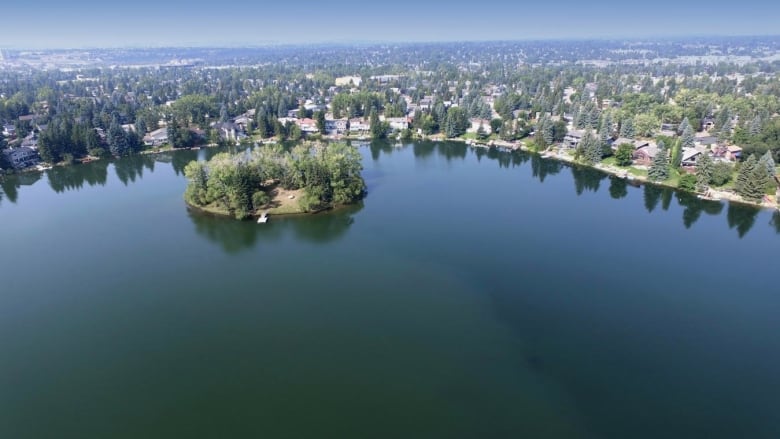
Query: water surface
[[474, 293]]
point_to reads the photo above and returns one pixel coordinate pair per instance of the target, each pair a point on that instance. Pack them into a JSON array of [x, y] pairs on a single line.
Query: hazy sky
[[49, 23]]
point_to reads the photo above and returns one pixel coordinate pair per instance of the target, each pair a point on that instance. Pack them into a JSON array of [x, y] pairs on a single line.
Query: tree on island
[[239, 184]]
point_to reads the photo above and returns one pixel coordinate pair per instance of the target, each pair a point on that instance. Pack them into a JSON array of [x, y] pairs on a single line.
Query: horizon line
[[363, 42]]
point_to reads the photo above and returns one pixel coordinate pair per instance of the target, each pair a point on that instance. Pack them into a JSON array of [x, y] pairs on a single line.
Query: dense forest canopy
[[329, 175]]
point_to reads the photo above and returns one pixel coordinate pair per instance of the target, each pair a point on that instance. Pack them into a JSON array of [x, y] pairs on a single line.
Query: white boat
[[263, 218]]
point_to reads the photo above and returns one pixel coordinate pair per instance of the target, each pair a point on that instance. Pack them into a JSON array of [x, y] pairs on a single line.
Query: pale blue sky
[[50, 23]]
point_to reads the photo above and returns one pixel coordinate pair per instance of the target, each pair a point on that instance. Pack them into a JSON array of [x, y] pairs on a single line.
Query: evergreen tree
[[687, 139], [768, 162], [752, 180], [223, 114], [321, 126], [755, 126], [743, 183], [685, 124], [173, 131], [117, 140], [140, 127], [605, 136], [378, 128], [659, 170], [677, 153], [703, 172], [627, 128]]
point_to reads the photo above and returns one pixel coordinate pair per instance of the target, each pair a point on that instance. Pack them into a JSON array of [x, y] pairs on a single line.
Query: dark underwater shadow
[[235, 236]]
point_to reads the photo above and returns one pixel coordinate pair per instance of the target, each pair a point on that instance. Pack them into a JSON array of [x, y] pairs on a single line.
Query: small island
[[310, 177]]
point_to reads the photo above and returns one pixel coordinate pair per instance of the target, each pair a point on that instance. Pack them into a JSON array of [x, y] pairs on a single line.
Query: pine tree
[[590, 148], [605, 134], [687, 139], [377, 130], [627, 128], [742, 185], [659, 170], [676, 154], [683, 125], [755, 126], [768, 162], [703, 172], [755, 182], [117, 140], [547, 132]]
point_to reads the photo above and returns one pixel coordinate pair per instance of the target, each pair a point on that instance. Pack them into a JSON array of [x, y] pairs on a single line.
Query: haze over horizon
[[54, 24]]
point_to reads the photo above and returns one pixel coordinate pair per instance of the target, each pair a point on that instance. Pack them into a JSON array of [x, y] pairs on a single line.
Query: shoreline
[[721, 195]]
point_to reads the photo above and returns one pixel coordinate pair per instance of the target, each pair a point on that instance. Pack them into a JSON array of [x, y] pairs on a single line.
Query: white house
[[347, 80], [397, 123], [476, 123], [358, 125], [156, 137], [9, 130]]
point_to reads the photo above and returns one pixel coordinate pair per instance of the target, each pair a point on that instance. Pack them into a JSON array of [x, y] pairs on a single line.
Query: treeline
[[239, 184], [64, 140]]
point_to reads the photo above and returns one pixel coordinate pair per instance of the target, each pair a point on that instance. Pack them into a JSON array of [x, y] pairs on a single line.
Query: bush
[[624, 154], [260, 199], [721, 173], [687, 182]]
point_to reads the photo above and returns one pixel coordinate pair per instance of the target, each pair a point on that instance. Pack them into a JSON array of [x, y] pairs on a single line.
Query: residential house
[[243, 122], [705, 140], [476, 123], [156, 138], [690, 155], [347, 80], [359, 125], [730, 153], [229, 131], [336, 126], [573, 138], [308, 125], [426, 103], [637, 144], [9, 130], [21, 157], [397, 123], [644, 155], [31, 141]]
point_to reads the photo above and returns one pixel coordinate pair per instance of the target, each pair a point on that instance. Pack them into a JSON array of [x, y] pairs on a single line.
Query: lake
[[474, 293]]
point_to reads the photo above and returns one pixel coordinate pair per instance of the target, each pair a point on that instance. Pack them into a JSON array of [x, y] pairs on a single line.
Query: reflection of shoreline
[[235, 236]]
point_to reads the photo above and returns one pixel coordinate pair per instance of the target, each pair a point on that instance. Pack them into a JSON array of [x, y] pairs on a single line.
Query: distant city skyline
[[52, 24]]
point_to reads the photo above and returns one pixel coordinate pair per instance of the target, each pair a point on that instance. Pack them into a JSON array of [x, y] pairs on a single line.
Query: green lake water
[[473, 294]]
